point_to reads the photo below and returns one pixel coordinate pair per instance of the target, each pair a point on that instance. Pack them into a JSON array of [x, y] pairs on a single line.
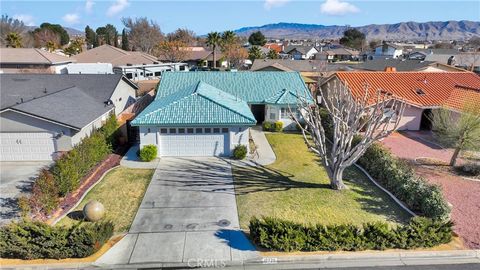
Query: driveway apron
[[188, 215]]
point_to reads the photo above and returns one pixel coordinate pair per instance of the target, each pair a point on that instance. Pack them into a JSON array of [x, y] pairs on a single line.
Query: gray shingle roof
[[400, 65], [74, 99]]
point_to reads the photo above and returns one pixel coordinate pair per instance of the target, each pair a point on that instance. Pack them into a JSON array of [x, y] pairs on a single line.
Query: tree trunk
[[214, 60], [453, 160], [336, 180]]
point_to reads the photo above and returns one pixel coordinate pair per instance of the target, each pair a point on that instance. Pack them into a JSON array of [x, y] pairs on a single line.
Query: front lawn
[[121, 192], [296, 187]]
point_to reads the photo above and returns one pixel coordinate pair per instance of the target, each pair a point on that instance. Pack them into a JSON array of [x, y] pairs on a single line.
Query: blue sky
[[205, 16]]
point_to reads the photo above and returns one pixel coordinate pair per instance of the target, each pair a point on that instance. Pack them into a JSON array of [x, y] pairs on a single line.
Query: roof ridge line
[[41, 54], [221, 105]]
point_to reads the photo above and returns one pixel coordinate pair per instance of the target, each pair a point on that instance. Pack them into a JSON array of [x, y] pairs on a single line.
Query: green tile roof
[[259, 87], [196, 104]]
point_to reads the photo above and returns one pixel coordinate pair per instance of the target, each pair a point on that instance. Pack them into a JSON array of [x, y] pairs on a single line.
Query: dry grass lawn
[[121, 192]]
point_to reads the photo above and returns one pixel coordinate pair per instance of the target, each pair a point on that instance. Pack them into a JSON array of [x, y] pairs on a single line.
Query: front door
[[258, 111]]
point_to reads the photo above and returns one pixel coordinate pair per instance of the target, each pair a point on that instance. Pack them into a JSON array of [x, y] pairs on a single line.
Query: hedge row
[[280, 235], [398, 178], [37, 240], [272, 126], [66, 173]]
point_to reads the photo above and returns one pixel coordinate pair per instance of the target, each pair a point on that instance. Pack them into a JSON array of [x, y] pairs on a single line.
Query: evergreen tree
[[125, 45], [257, 39]]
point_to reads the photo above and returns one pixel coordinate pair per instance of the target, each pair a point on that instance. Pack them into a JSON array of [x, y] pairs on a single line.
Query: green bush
[[400, 179], [110, 130], [240, 152], [277, 126], [266, 126], [37, 240], [69, 170], [281, 235], [470, 168], [44, 196], [148, 153]]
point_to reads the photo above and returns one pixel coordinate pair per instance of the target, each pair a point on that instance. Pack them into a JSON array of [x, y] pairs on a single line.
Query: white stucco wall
[[238, 135], [123, 96], [274, 114], [411, 118], [87, 130]]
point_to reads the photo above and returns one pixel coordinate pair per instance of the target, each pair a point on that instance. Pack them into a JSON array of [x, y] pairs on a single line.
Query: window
[[216, 130], [163, 130], [129, 75], [272, 116], [181, 130], [189, 130], [182, 68], [199, 130], [284, 113], [224, 130], [208, 130], [158, 73], [173, 130]]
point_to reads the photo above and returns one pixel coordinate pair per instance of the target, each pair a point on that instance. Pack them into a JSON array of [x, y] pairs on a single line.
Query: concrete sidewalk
[[131, 160], [188, 213], [265, 156]]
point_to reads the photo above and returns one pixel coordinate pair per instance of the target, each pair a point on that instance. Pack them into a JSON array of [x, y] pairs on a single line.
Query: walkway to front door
[[188, 215]]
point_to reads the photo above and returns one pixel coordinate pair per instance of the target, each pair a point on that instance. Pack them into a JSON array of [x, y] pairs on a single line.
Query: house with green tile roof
[[209, 113]]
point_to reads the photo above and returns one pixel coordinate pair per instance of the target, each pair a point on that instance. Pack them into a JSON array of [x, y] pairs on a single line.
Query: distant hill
[[447, 30]]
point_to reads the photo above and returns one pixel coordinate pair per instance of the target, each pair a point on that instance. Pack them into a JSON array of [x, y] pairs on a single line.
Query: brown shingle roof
[[115, 56], [31, 56]]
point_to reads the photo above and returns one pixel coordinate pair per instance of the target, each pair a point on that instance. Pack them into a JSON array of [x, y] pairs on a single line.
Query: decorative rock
[[93, 211]]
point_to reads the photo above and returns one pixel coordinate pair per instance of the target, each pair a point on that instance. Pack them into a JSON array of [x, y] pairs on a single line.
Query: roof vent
[[420, 92]]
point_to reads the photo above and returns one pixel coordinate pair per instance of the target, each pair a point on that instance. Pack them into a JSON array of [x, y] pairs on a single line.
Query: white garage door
[[26, 146], [190, 142]]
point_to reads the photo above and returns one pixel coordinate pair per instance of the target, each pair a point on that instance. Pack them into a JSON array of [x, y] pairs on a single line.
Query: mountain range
[[438, 30]]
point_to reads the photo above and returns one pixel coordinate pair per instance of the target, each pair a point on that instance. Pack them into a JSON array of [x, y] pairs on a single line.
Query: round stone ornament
[[93, 211]]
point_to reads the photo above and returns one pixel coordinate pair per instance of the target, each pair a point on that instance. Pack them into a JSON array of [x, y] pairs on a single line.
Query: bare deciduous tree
[[374, 116], [143, 35], [172, 51]]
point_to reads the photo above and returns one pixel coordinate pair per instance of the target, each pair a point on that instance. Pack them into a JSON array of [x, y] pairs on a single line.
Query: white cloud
[[117, 7], [337, 8], [26, 19], [89, 5], [71, 18], [269, 4]]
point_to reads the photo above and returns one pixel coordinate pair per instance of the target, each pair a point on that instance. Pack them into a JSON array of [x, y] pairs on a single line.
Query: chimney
[[390, 69]]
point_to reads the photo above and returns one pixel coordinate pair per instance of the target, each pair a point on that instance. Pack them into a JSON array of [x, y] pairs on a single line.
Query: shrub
[[37, 240], [110, 130], [44, 196], [148, 153], [69, 170], [470, 168], [281, 235], [277, 126], [400, 179], [266, 126], [240, 151]]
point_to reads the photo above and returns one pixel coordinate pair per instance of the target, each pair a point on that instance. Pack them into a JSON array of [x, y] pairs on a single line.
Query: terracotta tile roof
[[423, 89], [276, 47]]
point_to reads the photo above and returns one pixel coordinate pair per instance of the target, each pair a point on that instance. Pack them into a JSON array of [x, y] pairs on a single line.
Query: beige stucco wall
[[411, 118]]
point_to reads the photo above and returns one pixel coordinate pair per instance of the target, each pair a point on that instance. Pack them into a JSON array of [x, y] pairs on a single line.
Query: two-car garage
[[190, 141], [26, 146]]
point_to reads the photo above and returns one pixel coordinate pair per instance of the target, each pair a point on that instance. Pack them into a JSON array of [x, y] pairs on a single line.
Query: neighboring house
[[338, 54], [301, 52], [386, 50], [403, 65], [44, 114], [209, 113], [467, 61], [31, 60], [200, 57], [274, 46], [421, 54], [421, 91], [148, 72], [115, 56]]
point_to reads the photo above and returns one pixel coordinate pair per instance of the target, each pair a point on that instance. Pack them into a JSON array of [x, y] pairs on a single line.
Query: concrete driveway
[[188, 215], [16, 178]]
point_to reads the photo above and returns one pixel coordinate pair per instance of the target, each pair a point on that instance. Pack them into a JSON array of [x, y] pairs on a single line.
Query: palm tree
[[14, 40], [229, 37], [213, 40]]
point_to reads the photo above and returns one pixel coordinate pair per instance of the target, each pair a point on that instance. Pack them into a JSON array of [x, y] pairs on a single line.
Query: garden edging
[[57, 219]]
